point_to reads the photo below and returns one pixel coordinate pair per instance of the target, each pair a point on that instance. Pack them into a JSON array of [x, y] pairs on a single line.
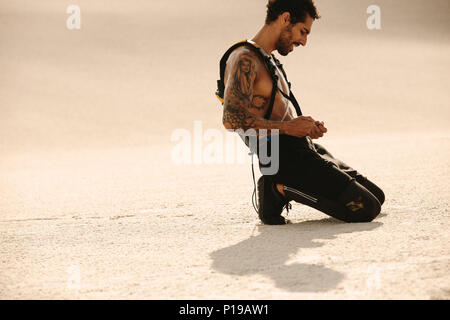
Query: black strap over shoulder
[[291, 96], [270, 67]]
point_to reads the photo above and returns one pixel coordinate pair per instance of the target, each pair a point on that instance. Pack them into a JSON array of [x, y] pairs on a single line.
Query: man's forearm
[[235, 118]]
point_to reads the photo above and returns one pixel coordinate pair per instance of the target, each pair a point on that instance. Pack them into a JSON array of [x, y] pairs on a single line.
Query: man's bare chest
[[282, 107]]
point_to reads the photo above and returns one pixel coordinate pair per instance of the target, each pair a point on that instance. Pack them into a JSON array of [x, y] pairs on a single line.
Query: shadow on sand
[[267, 253]]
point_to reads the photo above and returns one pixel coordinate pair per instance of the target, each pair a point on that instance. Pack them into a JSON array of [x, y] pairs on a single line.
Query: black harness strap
[[291, 96], [274, 87], [296, 105]]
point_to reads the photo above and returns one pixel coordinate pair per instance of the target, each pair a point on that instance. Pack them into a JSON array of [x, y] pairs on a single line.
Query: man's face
[[294, 35]]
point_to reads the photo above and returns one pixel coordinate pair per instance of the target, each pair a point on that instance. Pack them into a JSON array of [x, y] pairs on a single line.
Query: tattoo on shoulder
[[240, 98], [244, 75]]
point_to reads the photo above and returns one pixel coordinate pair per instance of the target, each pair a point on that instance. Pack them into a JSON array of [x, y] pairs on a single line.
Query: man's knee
[[372, 187], [380, 196], [371, 210], [359, 203], [378, 193]]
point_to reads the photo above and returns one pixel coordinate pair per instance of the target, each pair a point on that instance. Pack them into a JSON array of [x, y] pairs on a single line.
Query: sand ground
[[91, 205]]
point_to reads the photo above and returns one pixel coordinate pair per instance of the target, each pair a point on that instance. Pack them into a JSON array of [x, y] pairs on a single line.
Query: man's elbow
[[226, 123]]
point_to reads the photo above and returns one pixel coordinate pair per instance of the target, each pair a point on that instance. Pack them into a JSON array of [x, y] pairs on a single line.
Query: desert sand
[[93, 207]]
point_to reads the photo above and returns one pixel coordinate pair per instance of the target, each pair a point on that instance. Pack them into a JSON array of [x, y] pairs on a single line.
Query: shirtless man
[[307, 173]]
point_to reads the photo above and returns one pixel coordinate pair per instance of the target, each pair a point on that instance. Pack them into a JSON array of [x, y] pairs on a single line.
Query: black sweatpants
[[312, 176]]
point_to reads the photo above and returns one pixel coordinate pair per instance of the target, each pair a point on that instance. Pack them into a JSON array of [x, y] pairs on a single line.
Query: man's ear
[[285, 18]]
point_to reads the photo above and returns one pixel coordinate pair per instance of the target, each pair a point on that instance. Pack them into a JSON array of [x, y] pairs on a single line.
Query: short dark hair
[[298, 9]]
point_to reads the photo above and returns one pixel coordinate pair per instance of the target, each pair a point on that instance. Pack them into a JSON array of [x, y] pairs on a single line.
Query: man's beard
[[284, 42]]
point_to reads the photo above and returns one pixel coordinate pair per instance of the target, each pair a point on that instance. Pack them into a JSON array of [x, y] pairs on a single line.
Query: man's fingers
[[315, 133], [321, 126], [319, 134], [317, 130]]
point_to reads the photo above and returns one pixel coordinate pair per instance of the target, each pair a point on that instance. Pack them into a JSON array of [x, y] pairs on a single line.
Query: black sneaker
[[271, 203]]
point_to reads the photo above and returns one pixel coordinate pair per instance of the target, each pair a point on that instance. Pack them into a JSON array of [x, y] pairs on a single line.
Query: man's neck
[[266, 38]]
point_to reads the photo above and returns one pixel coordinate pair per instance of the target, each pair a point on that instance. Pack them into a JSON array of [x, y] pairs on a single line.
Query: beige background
[[87, 182]]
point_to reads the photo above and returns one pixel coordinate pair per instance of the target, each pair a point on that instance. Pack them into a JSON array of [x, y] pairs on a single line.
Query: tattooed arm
[[241, 105]]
